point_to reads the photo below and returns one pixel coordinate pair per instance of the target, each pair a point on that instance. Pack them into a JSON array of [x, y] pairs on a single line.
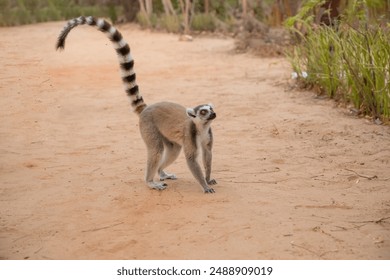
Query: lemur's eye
[[203, 112]]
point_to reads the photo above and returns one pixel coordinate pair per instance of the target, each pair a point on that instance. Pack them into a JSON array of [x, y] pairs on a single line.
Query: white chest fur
[[203, 138]]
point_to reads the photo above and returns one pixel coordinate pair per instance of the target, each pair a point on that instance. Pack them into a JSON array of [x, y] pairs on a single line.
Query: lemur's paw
[[157, 186], [212, 182], [209, 190], [167, 176]]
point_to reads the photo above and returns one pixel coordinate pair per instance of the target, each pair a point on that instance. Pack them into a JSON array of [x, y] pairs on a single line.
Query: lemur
[[165, 127]]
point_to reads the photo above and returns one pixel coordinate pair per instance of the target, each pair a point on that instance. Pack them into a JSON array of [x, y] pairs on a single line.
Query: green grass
[[170, 23], [20, 12], [173, 23], [352, 64], [366, 53], [204, 22]]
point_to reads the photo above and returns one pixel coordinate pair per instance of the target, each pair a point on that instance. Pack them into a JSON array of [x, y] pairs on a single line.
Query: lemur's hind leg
[[170, 154], [155, 149], [153, 161]]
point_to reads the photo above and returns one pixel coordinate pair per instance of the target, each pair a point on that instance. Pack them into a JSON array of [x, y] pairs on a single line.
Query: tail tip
[[60, 44]]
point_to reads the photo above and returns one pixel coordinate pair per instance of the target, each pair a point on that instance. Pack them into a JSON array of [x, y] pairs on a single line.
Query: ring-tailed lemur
[[165, 127]]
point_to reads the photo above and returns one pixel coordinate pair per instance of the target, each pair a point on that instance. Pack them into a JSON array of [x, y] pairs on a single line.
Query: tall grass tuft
[[351, 63], [204, 22], [170, 23], [366, 57]]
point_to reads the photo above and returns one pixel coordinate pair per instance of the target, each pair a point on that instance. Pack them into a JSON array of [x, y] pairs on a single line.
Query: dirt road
[[298, 178]]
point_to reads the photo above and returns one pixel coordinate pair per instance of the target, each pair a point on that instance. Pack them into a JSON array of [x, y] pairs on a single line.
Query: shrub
[[170, 23], [203, 22]]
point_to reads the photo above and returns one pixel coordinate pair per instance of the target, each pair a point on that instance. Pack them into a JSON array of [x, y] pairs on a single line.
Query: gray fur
[[165, 127]]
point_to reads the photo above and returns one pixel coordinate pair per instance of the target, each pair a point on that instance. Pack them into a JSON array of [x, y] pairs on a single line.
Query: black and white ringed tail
[[122, 49]]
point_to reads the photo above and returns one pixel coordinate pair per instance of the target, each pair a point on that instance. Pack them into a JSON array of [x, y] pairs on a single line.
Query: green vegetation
[[204, 22], [209, 15], [346, 57], [170, 15], [17, 12], [348, 61]]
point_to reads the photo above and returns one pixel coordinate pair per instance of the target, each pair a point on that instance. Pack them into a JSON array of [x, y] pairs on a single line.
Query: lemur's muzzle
[[212, 116]]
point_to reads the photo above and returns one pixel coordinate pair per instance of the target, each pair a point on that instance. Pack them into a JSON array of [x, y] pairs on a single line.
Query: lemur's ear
[[191, 113]]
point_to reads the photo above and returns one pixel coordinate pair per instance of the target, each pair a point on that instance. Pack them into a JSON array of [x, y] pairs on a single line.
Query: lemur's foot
[[157, 186], [167, 176], [209, 190], [212, 182]]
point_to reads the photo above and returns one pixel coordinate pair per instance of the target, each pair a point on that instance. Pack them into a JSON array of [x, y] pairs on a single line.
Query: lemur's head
[[202, 113]]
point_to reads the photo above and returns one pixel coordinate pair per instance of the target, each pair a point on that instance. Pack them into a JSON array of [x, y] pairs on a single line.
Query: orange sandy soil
[[298, 178]]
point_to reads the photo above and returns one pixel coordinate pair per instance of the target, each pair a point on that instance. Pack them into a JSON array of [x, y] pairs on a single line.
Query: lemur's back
[[169, 118]]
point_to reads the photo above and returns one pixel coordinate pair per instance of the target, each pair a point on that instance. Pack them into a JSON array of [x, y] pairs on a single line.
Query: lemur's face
[[203, 113]]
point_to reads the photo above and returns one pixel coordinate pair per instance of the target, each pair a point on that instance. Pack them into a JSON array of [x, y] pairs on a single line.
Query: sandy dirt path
[[297, 177]]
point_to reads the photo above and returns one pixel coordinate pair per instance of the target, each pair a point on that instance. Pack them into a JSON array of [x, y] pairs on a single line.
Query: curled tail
[[126, 62]]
